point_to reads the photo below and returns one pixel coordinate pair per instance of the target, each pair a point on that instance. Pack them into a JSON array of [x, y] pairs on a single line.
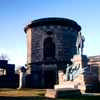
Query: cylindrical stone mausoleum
[[51, 43]]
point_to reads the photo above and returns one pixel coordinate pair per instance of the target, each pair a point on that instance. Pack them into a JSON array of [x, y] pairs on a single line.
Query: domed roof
[[53, 21]]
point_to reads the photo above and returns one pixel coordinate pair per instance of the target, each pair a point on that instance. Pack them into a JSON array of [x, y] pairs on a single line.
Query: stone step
[[50, 93], [65, 92]]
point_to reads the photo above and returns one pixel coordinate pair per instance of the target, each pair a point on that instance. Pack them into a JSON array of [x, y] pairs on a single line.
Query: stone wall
[[8, 78], [63, 37]]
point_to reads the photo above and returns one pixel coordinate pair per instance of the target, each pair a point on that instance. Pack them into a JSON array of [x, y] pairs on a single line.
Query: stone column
[[22, 79]]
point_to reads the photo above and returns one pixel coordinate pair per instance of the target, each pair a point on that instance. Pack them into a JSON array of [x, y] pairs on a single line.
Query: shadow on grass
[[43, 98], [23, 98]]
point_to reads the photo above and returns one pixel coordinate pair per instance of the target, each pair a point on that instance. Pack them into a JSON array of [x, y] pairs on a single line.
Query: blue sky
[[15, 14]]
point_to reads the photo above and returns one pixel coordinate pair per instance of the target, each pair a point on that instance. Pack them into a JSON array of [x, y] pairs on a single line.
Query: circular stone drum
[[51, 41]]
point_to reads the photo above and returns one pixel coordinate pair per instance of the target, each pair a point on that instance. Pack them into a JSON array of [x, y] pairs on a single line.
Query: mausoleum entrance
[[49, 48], [49, 78]]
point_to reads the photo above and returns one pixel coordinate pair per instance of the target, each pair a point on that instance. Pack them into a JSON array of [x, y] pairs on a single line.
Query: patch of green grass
[[22, 92]]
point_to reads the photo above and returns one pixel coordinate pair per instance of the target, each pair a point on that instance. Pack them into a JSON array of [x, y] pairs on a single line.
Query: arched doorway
[[49, 57], [49, 48]]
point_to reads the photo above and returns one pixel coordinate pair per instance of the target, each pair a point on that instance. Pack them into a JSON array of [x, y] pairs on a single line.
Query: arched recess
[[49, 48]]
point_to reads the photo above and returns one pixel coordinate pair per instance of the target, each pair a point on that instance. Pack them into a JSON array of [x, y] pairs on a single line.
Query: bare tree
[[4, 57]]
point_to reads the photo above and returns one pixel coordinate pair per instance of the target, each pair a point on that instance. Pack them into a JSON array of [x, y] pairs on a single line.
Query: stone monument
[[51, 43], [74, 76], [72, 81]]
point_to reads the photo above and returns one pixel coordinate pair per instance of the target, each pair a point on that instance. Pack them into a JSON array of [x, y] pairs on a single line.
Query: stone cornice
[[53, 21]]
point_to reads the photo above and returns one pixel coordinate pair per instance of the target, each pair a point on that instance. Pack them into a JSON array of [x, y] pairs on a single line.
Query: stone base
[[50, 93], [78, 83], [62, 93]]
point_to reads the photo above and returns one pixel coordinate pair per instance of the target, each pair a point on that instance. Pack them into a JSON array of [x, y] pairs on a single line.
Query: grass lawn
[[35, 94]]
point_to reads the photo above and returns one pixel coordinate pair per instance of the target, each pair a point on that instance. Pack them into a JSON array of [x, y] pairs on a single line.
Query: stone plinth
[[76, 84], [77, 81]]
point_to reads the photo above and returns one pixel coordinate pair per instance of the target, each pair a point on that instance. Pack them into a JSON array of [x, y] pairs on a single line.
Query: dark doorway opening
[[49, 48], [50, 78]]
